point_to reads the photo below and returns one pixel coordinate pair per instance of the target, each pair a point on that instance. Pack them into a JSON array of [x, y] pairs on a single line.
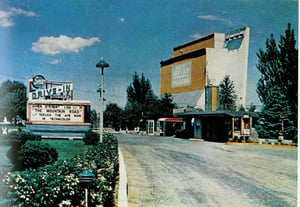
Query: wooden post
[[232, 131]]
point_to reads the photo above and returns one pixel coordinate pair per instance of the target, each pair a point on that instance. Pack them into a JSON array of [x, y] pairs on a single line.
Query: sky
[[65, 39]]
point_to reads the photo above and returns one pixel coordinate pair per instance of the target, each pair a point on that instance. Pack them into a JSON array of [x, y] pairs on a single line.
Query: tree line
[[141, 106]]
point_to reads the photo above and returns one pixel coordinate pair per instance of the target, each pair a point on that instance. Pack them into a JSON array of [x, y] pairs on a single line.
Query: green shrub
[[34, 154], [58, 183], [16, 140], [91, 138]]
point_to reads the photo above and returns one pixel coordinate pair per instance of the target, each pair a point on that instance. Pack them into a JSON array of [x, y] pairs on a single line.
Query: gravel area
[[166, 171]]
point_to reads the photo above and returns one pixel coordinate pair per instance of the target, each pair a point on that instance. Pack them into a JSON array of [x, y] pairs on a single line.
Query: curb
[[122, 193], [268, 145]]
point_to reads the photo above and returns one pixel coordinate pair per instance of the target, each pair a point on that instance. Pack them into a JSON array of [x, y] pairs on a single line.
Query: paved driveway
[[165, 171]]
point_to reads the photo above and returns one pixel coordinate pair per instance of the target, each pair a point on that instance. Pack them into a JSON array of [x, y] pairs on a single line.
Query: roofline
[[194, 41], [218, 113], [194, 54]]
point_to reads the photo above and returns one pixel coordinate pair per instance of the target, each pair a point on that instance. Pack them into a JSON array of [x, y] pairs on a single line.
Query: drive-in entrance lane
[[164, 171]]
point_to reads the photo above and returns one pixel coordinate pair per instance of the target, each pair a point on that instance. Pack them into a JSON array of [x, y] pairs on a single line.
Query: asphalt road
[[166, 171]]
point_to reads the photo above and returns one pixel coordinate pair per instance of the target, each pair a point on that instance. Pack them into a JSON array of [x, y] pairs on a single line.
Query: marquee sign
[[40, 88], [58, 113]]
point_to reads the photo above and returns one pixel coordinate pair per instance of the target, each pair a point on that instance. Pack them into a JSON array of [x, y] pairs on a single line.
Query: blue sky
[[64, 39]]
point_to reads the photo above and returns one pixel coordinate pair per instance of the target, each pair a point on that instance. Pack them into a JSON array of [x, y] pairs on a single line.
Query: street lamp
[[85, 179], [102, 64]]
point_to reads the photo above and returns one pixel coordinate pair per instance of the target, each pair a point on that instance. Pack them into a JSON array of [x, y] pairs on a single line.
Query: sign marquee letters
[[50, 92], [181, 74], [57, 113]]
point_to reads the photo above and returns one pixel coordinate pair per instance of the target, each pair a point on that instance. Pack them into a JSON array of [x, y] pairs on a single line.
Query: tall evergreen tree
[[272, 114], [277, 87], [289, 63], [140, 97], [227, 94], [142, 104]]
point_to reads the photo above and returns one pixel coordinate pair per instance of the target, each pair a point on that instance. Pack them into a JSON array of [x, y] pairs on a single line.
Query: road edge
[[122, 193]]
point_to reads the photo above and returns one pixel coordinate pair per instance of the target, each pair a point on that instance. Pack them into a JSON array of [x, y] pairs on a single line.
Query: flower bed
[[58, 184]]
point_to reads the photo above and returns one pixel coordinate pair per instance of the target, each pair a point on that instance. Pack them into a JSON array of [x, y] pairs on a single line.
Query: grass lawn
[[4, 161], [67, 149]]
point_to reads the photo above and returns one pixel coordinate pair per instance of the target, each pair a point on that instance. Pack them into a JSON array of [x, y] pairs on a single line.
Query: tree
[[12, 100], [277, 87], [272, 114], [93, 119], [113, 116], [289, 63], [166, 105], [252, 108], [139, 97], [140, 90], [227, 94]]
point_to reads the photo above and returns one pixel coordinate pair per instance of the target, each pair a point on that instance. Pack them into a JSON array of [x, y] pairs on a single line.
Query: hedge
[[58, 184]]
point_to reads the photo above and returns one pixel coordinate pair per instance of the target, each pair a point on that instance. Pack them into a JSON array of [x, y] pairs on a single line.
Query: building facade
[[197, 68], [193, 76]]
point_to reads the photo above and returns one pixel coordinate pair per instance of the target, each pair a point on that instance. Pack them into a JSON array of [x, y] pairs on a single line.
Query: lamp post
[[102, 64], [85, 179]]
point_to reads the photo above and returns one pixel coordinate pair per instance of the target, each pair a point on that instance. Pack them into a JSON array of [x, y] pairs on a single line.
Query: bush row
[[27, 151], [58, 184]]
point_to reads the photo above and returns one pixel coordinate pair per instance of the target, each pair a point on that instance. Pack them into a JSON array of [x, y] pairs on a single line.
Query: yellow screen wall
[[208, 43], [198, 76]]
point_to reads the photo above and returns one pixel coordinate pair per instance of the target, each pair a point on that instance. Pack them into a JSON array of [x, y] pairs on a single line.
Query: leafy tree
[[227, 94], [12, 100], [278, 85], [113, 116]]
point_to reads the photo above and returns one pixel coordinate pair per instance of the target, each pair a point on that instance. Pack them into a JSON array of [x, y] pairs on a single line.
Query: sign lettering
[[181, 74]]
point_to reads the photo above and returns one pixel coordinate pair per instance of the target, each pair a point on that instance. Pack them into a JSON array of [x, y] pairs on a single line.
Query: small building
[[168, 126], [217, 125]]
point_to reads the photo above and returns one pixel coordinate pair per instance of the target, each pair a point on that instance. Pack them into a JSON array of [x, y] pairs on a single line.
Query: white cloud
[[122, 19], [17, 11], [56, 61], [6, 17], [62, 44], [215, 18], [196, 35]]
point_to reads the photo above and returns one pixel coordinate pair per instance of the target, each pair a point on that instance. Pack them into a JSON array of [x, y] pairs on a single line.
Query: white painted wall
[[221, 62]]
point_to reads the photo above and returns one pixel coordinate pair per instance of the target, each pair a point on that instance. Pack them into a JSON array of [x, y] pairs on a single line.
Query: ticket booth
[[150, 127], [246, 124]]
